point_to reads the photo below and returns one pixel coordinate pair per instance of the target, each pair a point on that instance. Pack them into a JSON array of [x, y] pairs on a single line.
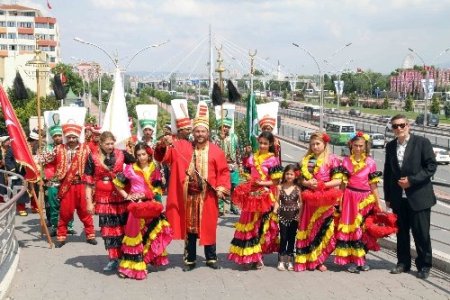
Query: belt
[[357, 190], [106, 178]]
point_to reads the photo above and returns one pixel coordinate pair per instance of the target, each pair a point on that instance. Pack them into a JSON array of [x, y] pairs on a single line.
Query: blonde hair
[[318, 135]]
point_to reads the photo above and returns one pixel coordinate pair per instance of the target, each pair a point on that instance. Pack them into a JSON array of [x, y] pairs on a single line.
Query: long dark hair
[[268, 136], [142, 146]]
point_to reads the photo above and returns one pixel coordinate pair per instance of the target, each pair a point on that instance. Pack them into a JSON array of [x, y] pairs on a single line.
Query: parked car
[[384, 119], [378, 140], [305, 136], [432, 120], [442, 156], [354, 112]]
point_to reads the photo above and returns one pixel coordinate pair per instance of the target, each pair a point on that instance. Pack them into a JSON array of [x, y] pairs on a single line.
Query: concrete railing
[[9, 247]]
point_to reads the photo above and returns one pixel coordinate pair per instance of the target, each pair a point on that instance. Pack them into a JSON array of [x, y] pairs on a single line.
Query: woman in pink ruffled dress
[[257, 229], [360, 199], [321, 175], [147, 232]]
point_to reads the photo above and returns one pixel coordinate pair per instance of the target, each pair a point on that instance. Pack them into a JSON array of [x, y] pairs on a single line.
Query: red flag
[[19, 144], [48, 5]]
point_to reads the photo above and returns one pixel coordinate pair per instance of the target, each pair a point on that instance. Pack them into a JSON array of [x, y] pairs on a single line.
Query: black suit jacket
[[419, 165]]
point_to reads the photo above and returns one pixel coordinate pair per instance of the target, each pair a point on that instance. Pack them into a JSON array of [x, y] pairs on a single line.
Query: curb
[[441, 261]]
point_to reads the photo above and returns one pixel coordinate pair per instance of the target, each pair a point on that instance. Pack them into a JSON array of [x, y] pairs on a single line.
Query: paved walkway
[[75, 272]]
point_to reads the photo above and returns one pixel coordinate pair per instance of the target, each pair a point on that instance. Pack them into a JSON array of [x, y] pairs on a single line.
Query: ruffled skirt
[[145, 242], [352, 242], [315, 239], [256, 234]]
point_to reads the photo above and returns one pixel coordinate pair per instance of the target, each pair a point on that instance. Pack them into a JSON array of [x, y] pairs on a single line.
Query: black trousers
[[419, 223], [287, 238], [190, 249]]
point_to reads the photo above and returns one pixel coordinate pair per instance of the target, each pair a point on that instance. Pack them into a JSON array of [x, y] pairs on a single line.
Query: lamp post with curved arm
[[115, 61], [339, 73], [321, 79], [427, 80]]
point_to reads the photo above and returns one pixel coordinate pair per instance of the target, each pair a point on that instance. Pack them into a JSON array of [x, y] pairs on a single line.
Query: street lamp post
[[321, 76], [115, 61], [41, 72], [339, 73]]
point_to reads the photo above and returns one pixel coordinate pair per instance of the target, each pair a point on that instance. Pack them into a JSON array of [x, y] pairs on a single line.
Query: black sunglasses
[[401, 125]]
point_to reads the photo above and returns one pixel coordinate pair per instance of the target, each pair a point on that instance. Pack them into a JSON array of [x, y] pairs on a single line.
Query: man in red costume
[[94, 139], [70, 160], [199, 176]]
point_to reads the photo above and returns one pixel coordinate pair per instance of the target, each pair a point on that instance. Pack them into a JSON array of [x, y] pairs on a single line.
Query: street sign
[[339, 86], [428, 93]]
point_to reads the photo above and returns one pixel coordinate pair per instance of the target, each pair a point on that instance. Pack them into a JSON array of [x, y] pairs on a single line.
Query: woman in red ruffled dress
[[147, 232], [257, 229], [321, 175], [360, 199]]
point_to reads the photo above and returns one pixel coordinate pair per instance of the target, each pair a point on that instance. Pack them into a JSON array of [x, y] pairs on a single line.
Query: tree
[[73, 79], [435, 105], [447, 109], [386, 102], [409, 103], [352, 99]]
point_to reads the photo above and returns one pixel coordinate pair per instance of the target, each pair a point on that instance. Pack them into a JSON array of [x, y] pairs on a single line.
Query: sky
[[380, 33]]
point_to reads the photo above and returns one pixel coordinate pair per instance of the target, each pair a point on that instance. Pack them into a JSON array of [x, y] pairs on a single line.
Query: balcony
[[47, 43], [23, 30], [45, 20]]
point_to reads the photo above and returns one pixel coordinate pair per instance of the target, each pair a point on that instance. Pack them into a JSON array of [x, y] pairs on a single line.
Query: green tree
[[352, 99], [447, 109], [409, 104], [386, 103], [435, 105], [73, 79]]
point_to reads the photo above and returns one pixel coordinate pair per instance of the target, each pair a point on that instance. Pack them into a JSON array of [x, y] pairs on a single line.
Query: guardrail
[[9, 247]]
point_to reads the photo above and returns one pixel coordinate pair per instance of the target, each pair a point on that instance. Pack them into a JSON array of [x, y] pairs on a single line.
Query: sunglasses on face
[[401, 125]]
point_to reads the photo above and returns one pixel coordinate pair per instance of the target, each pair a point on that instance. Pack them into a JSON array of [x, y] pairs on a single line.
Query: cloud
[[114, 4]]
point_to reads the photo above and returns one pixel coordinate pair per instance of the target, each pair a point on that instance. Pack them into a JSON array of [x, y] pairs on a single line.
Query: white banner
[[339, 86], [429, 94]]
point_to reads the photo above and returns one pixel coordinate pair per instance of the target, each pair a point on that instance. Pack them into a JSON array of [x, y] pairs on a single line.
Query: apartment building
[[22, 29]]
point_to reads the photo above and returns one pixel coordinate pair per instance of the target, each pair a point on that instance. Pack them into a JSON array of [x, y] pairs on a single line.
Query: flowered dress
[[146, 237], [257, 229], [315, 236], [358, 202]]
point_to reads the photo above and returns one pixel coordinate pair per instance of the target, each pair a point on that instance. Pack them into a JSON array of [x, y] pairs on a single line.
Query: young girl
[[288, 207], [147, 232], [360, 199], [321, 175], [257, 230]]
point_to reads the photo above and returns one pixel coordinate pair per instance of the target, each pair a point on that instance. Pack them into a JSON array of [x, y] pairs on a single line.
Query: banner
[[19, 145], [252, 123], [430, 92], [339, 86]]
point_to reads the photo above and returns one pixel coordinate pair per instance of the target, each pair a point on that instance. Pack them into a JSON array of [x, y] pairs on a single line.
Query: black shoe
[[213, 264], [423, 273], [52, 232], [91, 241], [400, 269], [71, 231], [188, 267], [60, 244], [235, 211]]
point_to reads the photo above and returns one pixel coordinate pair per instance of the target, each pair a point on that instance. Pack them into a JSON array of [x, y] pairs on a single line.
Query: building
[[22, 29], [409, 81]]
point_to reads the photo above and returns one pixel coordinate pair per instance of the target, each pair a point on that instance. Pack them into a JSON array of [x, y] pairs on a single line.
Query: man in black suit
[[409, 165]]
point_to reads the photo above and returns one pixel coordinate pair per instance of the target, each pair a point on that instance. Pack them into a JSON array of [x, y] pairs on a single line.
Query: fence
[[9, 246]]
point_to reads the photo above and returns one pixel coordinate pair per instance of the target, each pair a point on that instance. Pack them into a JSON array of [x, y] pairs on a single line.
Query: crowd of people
[[305, 212]]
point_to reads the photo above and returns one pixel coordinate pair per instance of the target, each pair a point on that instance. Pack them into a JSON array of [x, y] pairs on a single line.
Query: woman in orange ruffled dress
[[147, 232], [360, 199], [321, 175], [257, 229]]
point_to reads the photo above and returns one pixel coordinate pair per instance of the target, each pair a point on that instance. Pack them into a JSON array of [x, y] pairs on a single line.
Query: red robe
[[179, 157]]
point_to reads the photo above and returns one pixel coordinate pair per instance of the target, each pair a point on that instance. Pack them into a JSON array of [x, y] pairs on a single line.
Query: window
[[11, 24], [52, 48], [25, 24], [2, 35], [3, 47], [12, 36], [26, 36], [348, 129], [52, 59], [51, 26], [52, 37], [12, 47], [2, 24], [29, 14]]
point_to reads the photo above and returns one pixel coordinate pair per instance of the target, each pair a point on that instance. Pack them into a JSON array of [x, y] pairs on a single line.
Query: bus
[[340, 133]]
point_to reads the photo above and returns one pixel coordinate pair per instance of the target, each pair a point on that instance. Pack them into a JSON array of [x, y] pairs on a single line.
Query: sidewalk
[[75, 272]]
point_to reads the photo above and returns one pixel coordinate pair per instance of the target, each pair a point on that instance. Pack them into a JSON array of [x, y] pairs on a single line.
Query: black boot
[[189, 267], [59, 244]]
